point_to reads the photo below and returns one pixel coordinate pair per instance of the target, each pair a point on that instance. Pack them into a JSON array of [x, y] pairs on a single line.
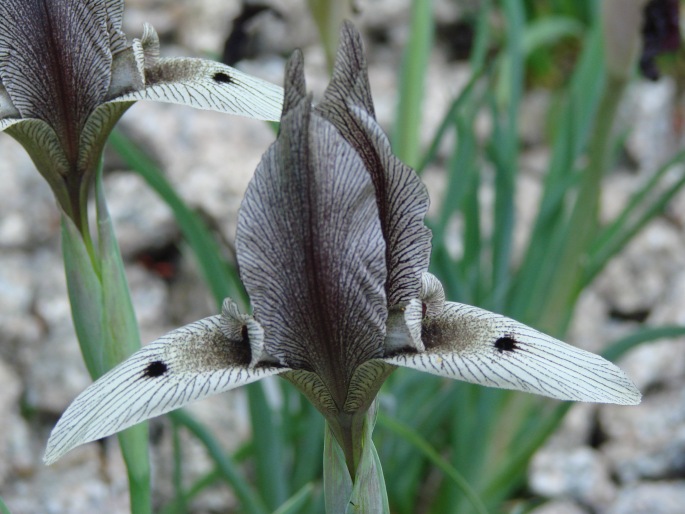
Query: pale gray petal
[[477, 346], [209, 85], [186, 365], [311, 251], [55, 61]]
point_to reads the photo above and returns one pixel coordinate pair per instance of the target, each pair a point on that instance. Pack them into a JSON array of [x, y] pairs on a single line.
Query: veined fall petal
[[188, 364], [474, 345]]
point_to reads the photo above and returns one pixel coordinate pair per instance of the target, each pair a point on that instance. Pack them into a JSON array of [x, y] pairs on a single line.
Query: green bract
[[68, 73], [334, 253]]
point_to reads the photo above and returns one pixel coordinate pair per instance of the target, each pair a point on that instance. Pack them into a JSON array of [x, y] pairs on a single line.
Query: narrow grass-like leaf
[[221, 278], [3, 507], [406, 142], [640, 210], [296, 503], [505, 148], [250, 501], [267, 432], [85, 296], [120, 339], [644, 335], [429, 452]]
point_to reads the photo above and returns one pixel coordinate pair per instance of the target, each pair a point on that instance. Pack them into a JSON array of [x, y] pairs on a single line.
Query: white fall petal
[[188, 364], [477, 346]]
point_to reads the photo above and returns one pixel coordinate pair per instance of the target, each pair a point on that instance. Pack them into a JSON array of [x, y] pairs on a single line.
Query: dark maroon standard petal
[[311, 250], [55, 61], [401, 197]]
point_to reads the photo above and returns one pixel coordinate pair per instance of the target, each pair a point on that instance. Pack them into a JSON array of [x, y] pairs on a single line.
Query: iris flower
[[68, 73], [333, 252]]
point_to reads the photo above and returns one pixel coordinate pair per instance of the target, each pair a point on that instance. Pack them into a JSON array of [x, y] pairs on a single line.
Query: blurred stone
[[648, 441], [9, 400], [633, 282], [559, 507], [580, 474], [650, 498], [651, 107], [141, 218]]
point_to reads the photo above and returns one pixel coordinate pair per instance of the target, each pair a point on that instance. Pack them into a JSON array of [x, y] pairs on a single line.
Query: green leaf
[[85, 296], [337, 483], [120, 339], [251, 503], [297, 501], [415, 60], [221, 278], [3, 507], [432, 455]]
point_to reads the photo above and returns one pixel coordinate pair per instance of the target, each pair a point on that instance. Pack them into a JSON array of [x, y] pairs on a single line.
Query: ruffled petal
[[310, 248], [186, 365], [477, 346]]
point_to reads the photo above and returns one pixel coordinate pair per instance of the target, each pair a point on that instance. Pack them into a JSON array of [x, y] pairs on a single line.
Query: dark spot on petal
[[222, 78], [506, 344], [155, 369], [424, 309], [245, 335]]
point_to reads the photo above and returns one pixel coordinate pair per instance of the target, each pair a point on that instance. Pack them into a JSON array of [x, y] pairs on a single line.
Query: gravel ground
[[604, 460]]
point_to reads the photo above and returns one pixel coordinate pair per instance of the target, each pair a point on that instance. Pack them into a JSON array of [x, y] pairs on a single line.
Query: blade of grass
[[266, 429], [415, 60], [644, 335], [506, 147], [297, 501], [221, 278], [3, 507], [622, 230], [426, 449], [250, 501]]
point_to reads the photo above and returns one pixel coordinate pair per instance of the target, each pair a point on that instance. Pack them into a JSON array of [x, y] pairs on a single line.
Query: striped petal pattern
[[311, 250], [401, 197], [478, 346], [186, 365]]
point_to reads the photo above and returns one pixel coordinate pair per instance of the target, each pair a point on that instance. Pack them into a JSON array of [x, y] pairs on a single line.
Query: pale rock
[[559, 507], [650, 498], [648, 441], [580, 474]]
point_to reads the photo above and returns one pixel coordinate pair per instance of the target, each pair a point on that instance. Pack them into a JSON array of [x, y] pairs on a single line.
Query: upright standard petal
[[186, 365], [478, 346], [208, 85], [401, 197], [311, 251], [55, 61]]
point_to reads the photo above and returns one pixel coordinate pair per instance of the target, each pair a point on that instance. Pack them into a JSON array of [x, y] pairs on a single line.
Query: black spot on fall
[[155, 369], [506, 344], [222, 78]]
